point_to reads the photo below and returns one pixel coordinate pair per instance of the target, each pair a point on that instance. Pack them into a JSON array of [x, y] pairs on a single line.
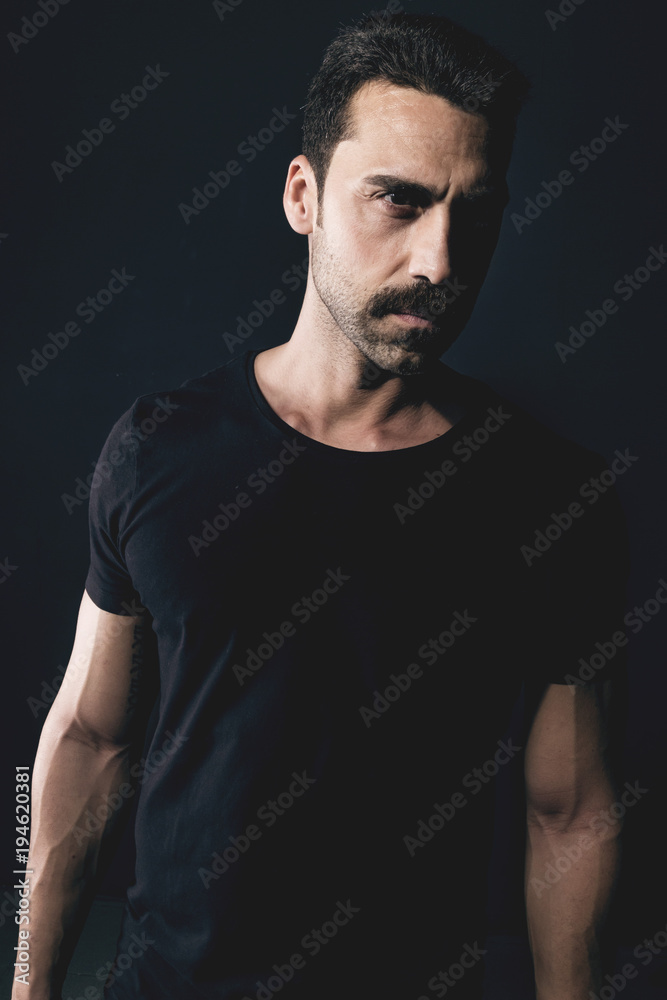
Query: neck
[[320, 384]]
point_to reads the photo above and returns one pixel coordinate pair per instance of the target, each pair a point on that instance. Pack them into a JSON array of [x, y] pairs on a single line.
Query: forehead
[[412, 130]]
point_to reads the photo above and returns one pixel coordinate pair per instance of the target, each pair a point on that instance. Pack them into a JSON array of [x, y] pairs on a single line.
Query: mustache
[[429, 304]]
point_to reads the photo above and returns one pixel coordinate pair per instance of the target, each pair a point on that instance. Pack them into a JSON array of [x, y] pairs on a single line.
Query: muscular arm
[[572, 856], [83, 758]]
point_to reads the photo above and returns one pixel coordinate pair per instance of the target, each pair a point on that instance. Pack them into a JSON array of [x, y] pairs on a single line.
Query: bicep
[[568, 761], [102, 696]]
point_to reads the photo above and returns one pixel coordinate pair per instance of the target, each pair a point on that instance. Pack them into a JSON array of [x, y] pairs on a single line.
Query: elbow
[[599, 817], [91, 740], [66, 729]]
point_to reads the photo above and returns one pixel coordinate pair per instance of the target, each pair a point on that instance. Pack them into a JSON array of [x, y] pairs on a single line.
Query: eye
[[401, 196], [403, 199]]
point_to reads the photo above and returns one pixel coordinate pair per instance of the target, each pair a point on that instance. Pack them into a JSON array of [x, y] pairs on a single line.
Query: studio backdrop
[[143, 242]]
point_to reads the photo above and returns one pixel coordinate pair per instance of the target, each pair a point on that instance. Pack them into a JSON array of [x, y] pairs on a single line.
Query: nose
[[430, 246]]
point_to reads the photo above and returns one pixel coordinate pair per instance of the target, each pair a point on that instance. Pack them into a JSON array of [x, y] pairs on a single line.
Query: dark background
[[119, 208]]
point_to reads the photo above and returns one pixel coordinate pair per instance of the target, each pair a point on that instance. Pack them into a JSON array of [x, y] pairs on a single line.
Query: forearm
[[73, 783], [570, 878]]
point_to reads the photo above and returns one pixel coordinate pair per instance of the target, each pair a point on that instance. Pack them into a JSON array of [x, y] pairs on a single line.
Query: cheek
[[371, 240]]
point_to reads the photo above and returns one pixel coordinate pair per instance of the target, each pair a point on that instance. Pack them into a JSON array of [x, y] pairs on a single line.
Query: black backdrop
[[219, 71]]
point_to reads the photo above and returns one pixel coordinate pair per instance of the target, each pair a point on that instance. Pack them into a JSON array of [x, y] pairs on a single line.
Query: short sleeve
[[578, 593], [108, 582]]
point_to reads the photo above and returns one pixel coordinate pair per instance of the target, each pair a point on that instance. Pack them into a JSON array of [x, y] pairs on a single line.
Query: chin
[[410, 352], [419, 352], [415, 363], [400, 360], [417, 358]]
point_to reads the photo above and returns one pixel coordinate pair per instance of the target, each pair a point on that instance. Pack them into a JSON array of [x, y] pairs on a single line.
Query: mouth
[[414, 319]]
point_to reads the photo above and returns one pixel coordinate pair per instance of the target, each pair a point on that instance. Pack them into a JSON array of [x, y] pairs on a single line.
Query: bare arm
[[572, 856], [82, 762]]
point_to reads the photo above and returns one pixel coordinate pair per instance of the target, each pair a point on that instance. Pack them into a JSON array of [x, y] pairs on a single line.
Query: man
[[352, 558]]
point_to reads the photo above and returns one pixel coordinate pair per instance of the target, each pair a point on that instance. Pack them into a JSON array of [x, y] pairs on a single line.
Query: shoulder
[[196, 403], [526, 444], [201, 395]]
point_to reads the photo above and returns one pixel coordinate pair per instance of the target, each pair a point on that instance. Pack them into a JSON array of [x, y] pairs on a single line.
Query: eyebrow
[[426, 191]]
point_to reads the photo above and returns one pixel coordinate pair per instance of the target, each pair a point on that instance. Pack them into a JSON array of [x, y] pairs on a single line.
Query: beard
[[388, 341]]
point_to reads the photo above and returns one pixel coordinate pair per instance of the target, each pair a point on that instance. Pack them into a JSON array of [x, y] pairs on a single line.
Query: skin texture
[[83, 758], [379, 254], [569, 784], [374, 252]]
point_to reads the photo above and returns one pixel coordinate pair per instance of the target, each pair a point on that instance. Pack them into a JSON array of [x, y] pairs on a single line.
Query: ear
[[300, 196]]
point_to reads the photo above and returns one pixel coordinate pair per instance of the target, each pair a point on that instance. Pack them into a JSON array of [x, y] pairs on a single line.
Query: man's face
[[409, 220]]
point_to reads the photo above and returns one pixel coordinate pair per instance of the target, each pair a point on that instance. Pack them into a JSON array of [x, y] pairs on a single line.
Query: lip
[[413, 319]]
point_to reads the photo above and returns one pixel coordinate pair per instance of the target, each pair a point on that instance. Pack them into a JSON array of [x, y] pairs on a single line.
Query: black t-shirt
[[342, 637]]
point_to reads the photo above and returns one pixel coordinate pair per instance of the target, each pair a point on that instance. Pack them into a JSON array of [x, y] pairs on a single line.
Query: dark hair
[[424, 51]]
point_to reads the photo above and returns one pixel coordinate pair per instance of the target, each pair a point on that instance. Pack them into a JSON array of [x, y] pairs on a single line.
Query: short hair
[[428, 52]]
